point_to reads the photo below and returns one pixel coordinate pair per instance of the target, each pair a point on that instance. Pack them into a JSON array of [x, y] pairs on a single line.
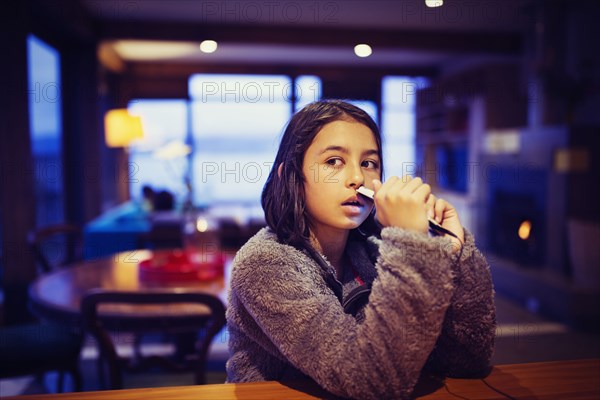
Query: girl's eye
[[370, 164], [334, 162]]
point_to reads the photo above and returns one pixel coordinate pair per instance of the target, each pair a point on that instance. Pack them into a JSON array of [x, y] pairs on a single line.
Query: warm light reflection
[[525, 229]]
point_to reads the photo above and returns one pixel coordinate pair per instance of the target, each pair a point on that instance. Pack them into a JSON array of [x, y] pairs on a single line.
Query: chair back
[[56, 246], [99, 325]]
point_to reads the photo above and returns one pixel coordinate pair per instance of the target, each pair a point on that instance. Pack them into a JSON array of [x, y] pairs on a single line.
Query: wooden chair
[[205, 325], [36, 348], [56, 246]]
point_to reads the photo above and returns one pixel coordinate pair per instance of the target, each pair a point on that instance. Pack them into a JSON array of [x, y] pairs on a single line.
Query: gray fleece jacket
[[428, 309]]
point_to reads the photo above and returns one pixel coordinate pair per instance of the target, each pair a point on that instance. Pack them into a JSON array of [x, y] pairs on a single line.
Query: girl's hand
[[408, 203], [445, 214], [402, 202]]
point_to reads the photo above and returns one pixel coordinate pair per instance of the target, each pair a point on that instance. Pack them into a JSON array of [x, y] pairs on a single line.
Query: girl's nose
[[355, 178]]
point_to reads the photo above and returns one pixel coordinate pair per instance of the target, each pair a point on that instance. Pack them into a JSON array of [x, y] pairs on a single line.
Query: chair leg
[[75, 374], [77, 381], [201, 376], [100, 367], [61, 381], [137, 349]]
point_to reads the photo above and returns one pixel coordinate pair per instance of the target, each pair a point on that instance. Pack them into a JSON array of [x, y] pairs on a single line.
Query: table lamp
[[122, 128]]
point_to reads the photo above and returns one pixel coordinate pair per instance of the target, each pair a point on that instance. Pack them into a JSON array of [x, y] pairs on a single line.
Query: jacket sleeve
[[380, 357], [465, 347]]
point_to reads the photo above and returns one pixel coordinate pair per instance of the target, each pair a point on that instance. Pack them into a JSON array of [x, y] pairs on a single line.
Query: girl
[[323, 293]]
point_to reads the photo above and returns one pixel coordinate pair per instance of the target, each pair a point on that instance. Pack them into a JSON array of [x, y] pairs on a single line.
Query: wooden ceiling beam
[[61, 23], [169, 70], [170, 80], [462, 42]]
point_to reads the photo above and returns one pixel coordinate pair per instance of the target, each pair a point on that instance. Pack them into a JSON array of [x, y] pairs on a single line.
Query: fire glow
[[525, 229]]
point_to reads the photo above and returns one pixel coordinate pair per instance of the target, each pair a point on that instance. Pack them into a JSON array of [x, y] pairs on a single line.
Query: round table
[[57, 295]]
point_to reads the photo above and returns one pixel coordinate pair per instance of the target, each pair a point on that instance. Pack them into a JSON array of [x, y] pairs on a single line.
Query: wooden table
[[578, 379], [57, 296]]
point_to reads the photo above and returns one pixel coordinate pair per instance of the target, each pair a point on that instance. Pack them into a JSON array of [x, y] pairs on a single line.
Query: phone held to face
[[434, 227]]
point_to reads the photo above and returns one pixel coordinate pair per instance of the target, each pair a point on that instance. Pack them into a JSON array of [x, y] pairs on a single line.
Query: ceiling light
[[363, 50], [208, 46], [143, 50], [434, 3]]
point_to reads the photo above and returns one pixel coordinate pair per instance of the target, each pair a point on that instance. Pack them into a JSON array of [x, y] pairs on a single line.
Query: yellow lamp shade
[[121, 128]]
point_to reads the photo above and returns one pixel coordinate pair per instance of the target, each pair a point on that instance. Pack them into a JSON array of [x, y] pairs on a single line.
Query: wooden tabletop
[[578, 379], [58, 295]]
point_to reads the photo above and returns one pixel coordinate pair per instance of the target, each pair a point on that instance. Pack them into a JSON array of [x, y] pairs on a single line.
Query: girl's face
[[342, 157]]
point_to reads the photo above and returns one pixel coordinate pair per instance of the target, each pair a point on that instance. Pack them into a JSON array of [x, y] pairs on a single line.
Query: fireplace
[[516, 225]]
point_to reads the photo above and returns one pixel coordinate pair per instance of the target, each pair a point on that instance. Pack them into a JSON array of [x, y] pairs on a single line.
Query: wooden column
[[17, 206], [82, 134]]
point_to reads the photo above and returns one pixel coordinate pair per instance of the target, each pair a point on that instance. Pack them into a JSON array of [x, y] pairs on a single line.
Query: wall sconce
[[121, 128]]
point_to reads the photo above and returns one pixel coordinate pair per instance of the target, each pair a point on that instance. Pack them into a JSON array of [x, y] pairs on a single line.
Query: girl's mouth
[[353, 208]]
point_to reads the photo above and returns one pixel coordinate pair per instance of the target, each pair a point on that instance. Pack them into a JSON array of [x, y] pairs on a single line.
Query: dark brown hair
[[283, 199]]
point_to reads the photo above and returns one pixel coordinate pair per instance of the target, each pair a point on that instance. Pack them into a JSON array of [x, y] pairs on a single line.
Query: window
[[236, 124], [164, 123], [233, 125], [398, 123], [46, 130], [308, 89], [367, 106]]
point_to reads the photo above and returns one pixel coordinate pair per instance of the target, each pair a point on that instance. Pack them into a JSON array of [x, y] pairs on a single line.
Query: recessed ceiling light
[[208, 46], [363, 50], [434, 3]]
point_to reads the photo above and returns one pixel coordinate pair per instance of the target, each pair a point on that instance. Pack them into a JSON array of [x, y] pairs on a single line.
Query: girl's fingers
[[431, 200], [405, 185], [378, 188], [439, 209], [384, 188], [376, 185], [413, 184], [422, 191], [407, 202]]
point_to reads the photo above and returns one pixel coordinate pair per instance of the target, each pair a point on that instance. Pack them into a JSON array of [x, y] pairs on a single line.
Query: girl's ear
[[279, 169]]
